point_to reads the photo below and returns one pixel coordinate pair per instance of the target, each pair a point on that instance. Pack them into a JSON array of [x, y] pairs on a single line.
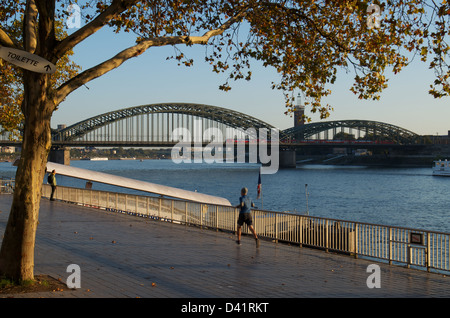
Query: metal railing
[[420, 249], [7, 185]]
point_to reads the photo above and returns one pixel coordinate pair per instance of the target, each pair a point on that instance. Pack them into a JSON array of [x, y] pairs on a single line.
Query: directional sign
[[27, 60]]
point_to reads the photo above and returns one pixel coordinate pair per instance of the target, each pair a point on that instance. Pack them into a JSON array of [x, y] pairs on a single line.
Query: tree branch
[[211, 33], [29, 29], [46, 27], [5, 40], [134, 51], [116, 7]]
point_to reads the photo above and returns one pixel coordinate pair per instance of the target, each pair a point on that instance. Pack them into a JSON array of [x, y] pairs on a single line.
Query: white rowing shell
[[101, 177]]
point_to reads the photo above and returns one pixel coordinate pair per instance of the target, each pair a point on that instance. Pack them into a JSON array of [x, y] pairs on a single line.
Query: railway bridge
[[168, 124]]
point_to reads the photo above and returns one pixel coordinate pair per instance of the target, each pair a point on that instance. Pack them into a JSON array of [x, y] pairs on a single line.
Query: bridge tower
[[299, 111], [288, 156]]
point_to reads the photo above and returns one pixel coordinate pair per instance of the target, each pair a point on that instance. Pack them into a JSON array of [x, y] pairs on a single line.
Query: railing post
[[300, 237], [136, 204], [159, 210], [356, 240], [185, 213], [326, 236], [409, 256], [428, 252], [390, 246], [171, 212], [201, 215], [276, 227], [217, 218]]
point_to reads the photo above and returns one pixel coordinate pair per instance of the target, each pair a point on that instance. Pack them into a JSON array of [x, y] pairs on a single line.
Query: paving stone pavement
[[123, 256]]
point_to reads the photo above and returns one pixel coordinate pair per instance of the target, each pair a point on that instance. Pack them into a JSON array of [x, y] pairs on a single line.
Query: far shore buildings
[[439, 139], [8, 149]]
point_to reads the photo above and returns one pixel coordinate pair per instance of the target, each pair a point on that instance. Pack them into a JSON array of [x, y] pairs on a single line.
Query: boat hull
[[441, 173]]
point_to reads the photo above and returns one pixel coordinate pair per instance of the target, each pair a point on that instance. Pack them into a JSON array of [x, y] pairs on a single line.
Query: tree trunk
[[17, 251]]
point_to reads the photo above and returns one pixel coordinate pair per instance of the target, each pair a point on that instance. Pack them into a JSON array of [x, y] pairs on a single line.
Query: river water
[[407, 197]]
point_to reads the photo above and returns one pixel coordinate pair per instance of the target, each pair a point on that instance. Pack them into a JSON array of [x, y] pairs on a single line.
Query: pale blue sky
[[150, 79]]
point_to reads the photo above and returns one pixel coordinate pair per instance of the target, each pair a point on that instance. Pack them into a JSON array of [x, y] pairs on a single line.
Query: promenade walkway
[[122, 256]]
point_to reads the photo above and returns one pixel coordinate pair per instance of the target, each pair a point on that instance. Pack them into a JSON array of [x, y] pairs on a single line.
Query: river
[[407, 197]]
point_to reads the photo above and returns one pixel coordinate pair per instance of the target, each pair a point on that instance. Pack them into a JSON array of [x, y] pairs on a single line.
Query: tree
[[307, 42]]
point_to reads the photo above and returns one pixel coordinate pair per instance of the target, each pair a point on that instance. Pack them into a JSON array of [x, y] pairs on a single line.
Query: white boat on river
[[441, 168]]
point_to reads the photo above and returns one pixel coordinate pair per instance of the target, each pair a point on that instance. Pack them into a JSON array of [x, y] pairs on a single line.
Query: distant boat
[[98, 159], [441, 168]]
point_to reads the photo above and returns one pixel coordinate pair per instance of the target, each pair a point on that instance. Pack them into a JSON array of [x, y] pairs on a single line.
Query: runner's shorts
[[245, 218]]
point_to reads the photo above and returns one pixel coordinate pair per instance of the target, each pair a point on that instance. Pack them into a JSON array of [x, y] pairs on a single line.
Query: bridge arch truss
[[360, 129], [156, 123]]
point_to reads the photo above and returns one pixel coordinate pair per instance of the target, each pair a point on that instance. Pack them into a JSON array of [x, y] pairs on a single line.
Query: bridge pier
[[60, 155], [287, 158]]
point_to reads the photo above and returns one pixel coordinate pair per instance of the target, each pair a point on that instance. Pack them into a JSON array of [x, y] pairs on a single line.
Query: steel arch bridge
[[365, 129], [155, 122]]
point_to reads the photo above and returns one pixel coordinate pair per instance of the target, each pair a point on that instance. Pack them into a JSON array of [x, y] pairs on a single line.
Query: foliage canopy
[[307, 42]]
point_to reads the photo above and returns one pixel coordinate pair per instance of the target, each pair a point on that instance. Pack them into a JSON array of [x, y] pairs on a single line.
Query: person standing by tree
[[52, 182]]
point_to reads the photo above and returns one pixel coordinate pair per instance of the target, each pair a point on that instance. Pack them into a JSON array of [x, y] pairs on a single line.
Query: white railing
[[420, 249]]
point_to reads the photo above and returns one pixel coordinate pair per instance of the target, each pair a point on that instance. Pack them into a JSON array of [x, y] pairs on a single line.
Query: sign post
[[28, 61]]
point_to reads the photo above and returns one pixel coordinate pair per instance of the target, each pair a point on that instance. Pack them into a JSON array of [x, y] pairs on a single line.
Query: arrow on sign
[[48, 68]]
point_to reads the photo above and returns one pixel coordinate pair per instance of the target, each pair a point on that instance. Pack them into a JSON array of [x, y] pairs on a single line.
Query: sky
[[150, 79]]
